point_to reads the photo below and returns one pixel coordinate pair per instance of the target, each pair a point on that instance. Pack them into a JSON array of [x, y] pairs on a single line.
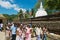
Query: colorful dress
[[28, 34]]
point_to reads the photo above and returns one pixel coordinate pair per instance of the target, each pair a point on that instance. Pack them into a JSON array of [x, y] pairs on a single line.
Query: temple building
[[41, 11], [2, 18]]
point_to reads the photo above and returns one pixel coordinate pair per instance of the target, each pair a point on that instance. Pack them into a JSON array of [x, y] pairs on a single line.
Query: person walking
[[44, 33], [28, 32], [19, 33], [1, 26], [7, 33], [38, 33], [23, 33], [13, 31]]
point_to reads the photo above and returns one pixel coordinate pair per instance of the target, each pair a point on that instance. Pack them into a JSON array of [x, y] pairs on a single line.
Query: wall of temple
[[52, 22]]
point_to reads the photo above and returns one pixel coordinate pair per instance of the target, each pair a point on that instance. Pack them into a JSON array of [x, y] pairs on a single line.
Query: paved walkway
[[33, 38], [2, 36]]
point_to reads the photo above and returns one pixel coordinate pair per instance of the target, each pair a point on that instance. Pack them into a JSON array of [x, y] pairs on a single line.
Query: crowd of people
[[24, 32]]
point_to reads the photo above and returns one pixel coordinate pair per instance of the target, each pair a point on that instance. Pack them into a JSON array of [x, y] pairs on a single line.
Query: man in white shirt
[[38, 33], [1, 26], [13, 31]]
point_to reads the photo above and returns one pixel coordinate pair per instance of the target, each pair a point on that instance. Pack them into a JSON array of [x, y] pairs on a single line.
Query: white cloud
[[5, 4], [8, 5], [17, 9]]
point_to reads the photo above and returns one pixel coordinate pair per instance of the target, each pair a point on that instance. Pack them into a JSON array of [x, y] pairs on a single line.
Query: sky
[[13, 6]]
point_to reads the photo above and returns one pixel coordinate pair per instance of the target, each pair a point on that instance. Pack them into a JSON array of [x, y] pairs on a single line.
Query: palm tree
[[32, 14], [20, 15], [27, 14]]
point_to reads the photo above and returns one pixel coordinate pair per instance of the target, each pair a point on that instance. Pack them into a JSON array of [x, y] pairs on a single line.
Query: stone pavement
[[33, 38], [2, 35]]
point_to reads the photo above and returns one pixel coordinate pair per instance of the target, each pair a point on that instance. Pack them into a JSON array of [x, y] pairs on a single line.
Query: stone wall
[[52, 22], [52, 26]]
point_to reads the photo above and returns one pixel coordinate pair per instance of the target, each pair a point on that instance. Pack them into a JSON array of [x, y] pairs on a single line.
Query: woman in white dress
[[19, 34]]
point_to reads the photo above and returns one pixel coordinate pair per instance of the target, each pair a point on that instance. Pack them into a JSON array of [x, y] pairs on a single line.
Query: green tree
[[27, 14], [20, 14], [10, 17], [32, 12]]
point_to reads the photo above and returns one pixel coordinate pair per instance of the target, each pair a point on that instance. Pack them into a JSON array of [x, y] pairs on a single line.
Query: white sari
[[18, 37]]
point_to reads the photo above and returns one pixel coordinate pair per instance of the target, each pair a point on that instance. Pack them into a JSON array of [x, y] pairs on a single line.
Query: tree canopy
[[10, 17]]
